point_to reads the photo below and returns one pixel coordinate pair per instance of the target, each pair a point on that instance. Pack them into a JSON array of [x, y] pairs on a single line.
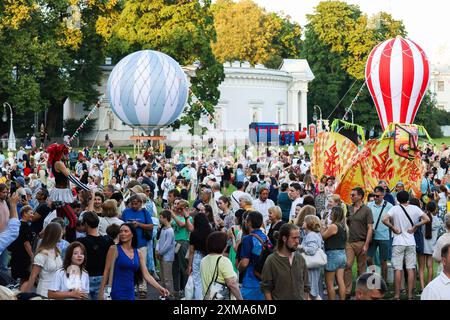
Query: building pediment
[[298, 68]]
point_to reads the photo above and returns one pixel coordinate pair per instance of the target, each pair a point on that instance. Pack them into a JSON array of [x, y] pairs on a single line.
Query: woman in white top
[[442, 201], [46, 261], [167, 185], [110, 216], [430, 233], [72, 280]]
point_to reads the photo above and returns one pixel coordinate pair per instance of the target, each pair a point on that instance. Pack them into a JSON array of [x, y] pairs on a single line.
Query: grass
[[308, 147]]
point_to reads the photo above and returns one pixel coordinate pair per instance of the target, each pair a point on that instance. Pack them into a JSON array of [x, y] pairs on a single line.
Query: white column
[[68, 109], [303, 109], [293, 107]]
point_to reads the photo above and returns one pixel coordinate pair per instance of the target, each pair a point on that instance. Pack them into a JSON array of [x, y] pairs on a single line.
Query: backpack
[[266, 250]]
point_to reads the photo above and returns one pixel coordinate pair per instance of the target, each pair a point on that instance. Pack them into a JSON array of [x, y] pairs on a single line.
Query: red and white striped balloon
[[397, 75]]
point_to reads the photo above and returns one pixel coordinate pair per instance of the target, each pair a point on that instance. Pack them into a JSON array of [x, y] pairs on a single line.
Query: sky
[[427, 21]]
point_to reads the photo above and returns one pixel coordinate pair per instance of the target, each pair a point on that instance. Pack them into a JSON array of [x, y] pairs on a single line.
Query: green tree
[[71, 125], [330, 82], [338, 40], [180, 28], [47, 56], [430, 116], [246, 32]]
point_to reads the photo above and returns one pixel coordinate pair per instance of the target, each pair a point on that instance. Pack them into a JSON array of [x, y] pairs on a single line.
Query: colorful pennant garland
[[85, 121]]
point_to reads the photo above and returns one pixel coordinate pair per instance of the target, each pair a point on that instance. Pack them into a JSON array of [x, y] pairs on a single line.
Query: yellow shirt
[[225, 270]]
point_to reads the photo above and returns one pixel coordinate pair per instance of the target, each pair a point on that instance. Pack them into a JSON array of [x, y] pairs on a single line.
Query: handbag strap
[[113, 263], [214, 278], [381, 213], [407, 215]]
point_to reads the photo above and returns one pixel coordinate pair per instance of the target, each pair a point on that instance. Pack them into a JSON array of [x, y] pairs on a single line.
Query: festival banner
[[331, 154], [377, 161]]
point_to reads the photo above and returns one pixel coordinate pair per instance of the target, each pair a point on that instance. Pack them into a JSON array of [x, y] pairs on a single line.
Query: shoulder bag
[[217, 290], [379, 218], [318, 260], [147, 234]]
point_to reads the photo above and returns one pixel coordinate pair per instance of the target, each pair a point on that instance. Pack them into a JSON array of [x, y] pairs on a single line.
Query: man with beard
[[285, 276]]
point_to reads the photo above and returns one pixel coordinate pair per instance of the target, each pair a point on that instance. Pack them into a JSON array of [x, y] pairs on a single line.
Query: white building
[[248, 94], [440, 85]]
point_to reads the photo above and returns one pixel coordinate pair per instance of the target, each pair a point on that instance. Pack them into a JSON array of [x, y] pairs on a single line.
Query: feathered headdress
[[55, 152]]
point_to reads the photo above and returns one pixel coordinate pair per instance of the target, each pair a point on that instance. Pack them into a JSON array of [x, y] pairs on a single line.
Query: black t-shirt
[[97, 249], [227, 173], [17, 248], [43, 210]]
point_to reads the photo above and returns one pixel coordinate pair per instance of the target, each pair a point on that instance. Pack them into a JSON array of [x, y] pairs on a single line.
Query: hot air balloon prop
[[147, 89], [397, 75]]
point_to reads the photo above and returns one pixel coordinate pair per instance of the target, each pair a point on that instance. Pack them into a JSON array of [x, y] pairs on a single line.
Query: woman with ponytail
[[430, 232]]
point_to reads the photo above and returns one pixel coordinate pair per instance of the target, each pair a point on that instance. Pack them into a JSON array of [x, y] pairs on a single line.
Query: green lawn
[[308, 147]]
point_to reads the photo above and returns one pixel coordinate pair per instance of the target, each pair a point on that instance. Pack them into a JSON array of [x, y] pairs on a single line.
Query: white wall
[[441, 74]]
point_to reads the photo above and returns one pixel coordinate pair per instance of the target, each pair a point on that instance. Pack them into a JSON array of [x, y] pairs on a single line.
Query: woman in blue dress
[[123, 263]]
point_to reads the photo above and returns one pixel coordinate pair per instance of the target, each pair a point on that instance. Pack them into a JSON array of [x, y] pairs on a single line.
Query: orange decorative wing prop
[[331, 154]]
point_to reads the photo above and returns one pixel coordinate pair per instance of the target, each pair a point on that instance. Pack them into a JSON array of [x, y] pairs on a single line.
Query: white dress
[[50, 263], [62, 283]]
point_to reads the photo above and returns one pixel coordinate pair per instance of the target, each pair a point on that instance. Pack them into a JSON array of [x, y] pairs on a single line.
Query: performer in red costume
[[61, 195]]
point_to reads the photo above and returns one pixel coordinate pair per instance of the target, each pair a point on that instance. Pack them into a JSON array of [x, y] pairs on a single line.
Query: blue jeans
[[150, 259], [4, 258], [198, 294], [94, 287], [336, 259]]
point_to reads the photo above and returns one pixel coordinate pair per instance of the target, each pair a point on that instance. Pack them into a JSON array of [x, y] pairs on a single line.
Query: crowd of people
[[85, 224]]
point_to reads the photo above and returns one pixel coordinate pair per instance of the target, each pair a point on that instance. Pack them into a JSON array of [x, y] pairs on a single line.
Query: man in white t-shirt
[[294, 194], [235, 196], [291, 150], [403, 221], [263, 203], [301, 148], [439, 288]]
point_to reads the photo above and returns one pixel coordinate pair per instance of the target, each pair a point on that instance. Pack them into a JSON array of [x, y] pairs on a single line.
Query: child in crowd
[[72, 280], [113, 232], [165, 249]]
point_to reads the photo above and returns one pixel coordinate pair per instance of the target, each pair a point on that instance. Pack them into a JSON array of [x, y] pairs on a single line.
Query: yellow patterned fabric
[[378, 161], [331, 154]]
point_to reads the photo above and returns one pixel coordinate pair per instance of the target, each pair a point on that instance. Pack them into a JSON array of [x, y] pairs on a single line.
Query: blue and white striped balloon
[[147, 89]]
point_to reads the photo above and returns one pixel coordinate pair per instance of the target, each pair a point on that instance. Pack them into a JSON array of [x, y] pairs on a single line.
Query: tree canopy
[[246, 32], [50, 51]]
